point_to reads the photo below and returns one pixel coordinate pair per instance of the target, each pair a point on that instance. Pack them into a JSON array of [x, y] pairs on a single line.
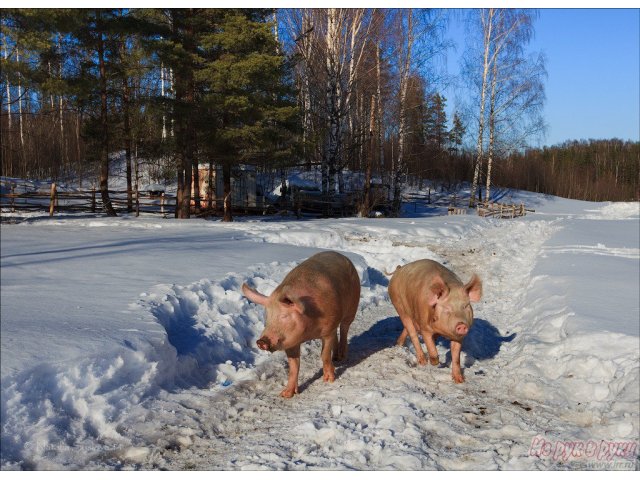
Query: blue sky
[[593, 66], [593, 62]]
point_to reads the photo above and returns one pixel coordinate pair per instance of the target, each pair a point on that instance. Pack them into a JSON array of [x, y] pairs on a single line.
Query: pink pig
[[315, 298], [431, 301]]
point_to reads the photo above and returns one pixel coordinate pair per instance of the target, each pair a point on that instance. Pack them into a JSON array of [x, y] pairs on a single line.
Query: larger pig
[[314, 298], [431, 301]]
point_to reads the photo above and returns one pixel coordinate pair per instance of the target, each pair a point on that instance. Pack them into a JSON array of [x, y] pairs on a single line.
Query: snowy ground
[[126, 344]]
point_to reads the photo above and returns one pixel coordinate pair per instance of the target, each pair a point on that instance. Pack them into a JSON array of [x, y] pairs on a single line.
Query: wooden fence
[[315, 204], [502, 210], [18, 195], [23, 196]]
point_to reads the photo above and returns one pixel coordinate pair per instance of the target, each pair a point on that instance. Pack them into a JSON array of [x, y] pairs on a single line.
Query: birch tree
[[510, 87], [331, 45], [418, 42], [487, 18], [405, 64], [517, 89]]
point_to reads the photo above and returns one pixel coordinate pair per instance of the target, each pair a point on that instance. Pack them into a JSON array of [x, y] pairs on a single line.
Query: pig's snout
[[462, 329], [264, 343]]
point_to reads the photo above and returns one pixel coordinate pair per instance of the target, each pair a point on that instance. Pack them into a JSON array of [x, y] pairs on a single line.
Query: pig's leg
[[430, 342], [456, 372], [293, 356], [328, 345], [402, 338], [341, 352], [413, 334]]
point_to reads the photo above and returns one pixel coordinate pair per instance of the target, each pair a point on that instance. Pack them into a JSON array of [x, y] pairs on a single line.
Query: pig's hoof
[[289, 392], [422, 360], [457, 377], [329, 377], [434, 361]]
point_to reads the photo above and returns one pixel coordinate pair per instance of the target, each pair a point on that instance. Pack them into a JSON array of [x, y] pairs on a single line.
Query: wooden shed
[[243, 186]]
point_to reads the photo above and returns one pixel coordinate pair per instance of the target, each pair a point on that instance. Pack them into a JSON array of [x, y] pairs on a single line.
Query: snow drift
[[126, 343]]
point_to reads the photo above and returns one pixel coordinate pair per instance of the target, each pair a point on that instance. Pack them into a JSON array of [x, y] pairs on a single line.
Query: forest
[[333, 90]]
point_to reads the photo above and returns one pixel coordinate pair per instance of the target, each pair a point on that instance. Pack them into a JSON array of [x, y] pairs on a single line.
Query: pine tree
[[436, 122], [456, 134], [250, 109]]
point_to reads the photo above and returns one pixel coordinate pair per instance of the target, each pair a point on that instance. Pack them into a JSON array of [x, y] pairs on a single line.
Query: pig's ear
[[294, 303], [437, 291], [253, 295], [474, 288]]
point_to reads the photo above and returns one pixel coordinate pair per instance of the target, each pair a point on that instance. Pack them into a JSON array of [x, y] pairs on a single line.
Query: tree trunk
[[226, 180], [379, 109], [210, 186], [162, 94], [137, 185], [365, 208], [487, 30], [404, 81], [333, 101], [492, 125], [20, 120], [7, 160], [196, 177], [185, 129], [127, 139], [63, 144], [180, 186], [78, 151], [104, 126]]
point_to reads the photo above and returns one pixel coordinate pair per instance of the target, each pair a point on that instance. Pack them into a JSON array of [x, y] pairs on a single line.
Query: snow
[[127, 344]]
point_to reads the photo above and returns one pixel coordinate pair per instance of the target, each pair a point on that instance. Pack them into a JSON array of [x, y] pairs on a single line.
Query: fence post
[[13, 198], [162, 205], [52, 201]]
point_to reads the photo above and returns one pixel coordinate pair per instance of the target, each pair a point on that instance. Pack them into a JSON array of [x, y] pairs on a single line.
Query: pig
[[431, 301], [314, 298]]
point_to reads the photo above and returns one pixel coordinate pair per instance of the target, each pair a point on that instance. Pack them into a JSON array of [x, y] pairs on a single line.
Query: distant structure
[[243, 186]]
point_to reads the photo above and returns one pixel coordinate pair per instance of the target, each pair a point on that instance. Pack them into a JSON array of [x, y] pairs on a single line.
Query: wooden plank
[[53, 198]]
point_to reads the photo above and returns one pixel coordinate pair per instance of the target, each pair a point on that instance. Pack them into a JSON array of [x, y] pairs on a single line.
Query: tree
[[330, 46], [249, 105], [404, 71], [418, 41], [509, 93], [436, 122], [174, 38], [68, 53], [456, 134], [487, 17], [517, 89]]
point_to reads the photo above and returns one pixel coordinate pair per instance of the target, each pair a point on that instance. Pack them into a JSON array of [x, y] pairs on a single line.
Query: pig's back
[[334, 268], [411, 282], [426, 270], [333, 280]]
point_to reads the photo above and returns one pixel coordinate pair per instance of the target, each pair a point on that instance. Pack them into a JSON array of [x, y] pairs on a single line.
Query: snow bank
[[616, 211], [579, 352], [126, 343]]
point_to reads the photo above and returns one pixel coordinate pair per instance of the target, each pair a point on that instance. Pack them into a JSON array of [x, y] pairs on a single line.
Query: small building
[[243, 186], [154, 190]]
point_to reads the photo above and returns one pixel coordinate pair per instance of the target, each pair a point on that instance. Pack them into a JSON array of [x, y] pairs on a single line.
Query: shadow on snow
[[482, 343]]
